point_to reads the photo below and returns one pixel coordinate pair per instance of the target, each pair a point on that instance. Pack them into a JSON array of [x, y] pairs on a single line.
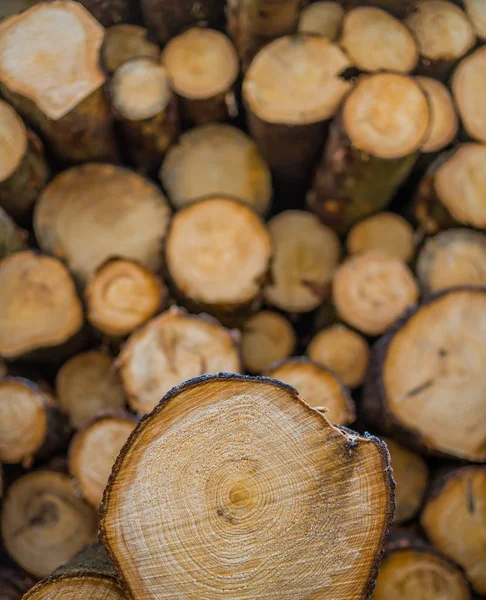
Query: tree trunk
[[264, 475], [168, 18], [88, 575], [121, 296], [425, 384], [93, 451], [452, 258], [44, 523], [31, 425], [125, 42], [88, 385], [322, 18], [217, 159], [174, 346], [146, 111], [369, 152], [453, 519], [291, 91], [65, 98], [444, 35], [12, 238], [24, 170], [111, 12], [44, 311], [217, 255], [254, 23], [108, 205]]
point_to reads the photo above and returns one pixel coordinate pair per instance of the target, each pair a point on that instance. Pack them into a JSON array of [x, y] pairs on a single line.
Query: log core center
[[240, 495]]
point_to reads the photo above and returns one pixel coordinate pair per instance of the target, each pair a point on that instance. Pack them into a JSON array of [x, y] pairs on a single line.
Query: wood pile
[[242, 300]]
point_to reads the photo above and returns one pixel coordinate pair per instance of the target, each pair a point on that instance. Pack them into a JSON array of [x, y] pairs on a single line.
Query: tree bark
[[111, 12], [64, 99], [12, 238], [125, 42], [247, 447], [420, 382], [14, 582]]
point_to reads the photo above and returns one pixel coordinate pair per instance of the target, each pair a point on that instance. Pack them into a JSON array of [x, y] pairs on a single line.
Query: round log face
[[322, 18], [229, 471], [444, 123], [468, 89], [82, 587], [14, 140]]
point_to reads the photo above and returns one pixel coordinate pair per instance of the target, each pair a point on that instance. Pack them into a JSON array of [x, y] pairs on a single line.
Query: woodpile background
[[259, 187]]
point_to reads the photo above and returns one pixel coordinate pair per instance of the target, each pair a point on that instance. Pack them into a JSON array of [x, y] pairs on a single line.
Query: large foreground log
[[427, 382], [233, 487]]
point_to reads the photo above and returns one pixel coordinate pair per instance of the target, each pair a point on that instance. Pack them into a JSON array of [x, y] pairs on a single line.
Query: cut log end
[[444, 123], [343, 351], [387, 115], [476, 10], [88, 385], [467, 83], [442, 30], [386, 232], [217, 159], [295, 80], [121, 296], [13, 140], [318, 387], [63, 39], [44, 523], [39, 297], [376, 41], [306, 254], [201, 63], [168, 350], [371, 290], [454, 517], [452, 258], [266, 337], [124, 42], [81, 586], [217, 254], [93, 451], [140, 89], [322, 18], [264, 475]]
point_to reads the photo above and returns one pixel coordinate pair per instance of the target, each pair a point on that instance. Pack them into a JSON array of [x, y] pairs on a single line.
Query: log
[[202, 66], [146, 111], [167, 18], [452, 258], [444, 123], [291, 91], [453, 519], [44, 522], [254, 23], [452, 190], [23, 167], [121, 296], [398, 8], [264, 475], [65, 98], [217, 254], [125, 42], [121, 213], [343, 351], [88, 575], [444, 35], [93, 451], [12, 238], [31, 424], [476, 11], [372, 290], [375, 41], [266, 337], [386, 232], [372, 147], [14, 583], [173, 347], [466, 87], [425, 383], [44, 311], [411, 477], [413, 570], [318, 387], [111, 12], [322, 18], [88, 385], [306, 255], [216, 159]]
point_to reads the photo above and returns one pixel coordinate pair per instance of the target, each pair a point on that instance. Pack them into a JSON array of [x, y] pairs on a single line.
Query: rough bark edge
[[374, 402], [351, 440]]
